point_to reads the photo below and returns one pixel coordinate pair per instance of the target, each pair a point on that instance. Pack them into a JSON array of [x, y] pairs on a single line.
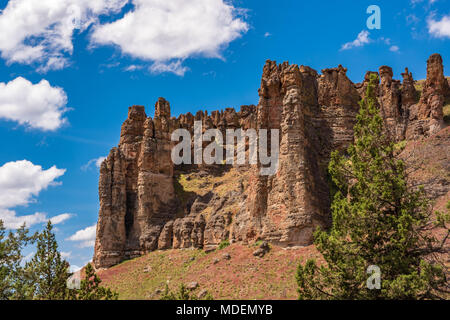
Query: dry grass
[[221, 183], [447, 113], [242, 277], [193, 184], [419, 86]]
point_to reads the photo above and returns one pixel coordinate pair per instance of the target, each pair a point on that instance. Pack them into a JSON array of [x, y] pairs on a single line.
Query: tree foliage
[[48, 271], [45, 276], [378, 219], [183, 294], [13, 282], [90, 288]]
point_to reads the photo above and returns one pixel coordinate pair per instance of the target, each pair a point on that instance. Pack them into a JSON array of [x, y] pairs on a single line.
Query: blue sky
[[198, 54]]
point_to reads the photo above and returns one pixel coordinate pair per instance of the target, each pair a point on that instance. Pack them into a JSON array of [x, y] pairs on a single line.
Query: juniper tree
[[13, 284], [48, 271], [378, 219], [183, 293], [45, 276], [90, 288]]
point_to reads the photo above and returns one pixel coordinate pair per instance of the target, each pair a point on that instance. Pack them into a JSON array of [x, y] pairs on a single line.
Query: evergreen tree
[[378, 220], [45, 276], [12, 279], [90, 288], [183, 294], [47, 271]]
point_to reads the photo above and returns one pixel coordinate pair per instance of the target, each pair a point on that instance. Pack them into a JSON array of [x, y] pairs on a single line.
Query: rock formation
[[426, 117], [144, 207]]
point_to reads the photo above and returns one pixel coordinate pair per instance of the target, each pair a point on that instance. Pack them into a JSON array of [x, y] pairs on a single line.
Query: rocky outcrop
[[147, 202], [435, 91], [390, 99], [137, 196], [426, 117], [409, 92], [282, 208]]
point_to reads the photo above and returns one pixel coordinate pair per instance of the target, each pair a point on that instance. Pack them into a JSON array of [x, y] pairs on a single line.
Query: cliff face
[[145, 204]]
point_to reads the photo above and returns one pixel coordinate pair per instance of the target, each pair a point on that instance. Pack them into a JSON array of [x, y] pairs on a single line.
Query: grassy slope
[[193, 184], [242, 277]]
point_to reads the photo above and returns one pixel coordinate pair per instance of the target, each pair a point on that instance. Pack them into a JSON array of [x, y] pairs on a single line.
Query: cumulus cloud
[[361, 40], [41, 31], [20, 184], [21, 181], [167, 32], [97, 162], [439, 28], [61, 218], [85, 237], [12, 221], [39, 106]]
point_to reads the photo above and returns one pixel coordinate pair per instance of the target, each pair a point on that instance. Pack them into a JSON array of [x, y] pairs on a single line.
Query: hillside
[[162, 221], [243, 276], [150, 202]]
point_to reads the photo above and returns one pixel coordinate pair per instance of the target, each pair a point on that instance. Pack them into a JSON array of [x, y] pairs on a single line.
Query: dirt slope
[[243, 276]]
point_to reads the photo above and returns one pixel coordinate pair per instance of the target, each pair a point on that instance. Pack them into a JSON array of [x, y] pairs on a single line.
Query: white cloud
[[21, 181], [175, 67], [86, 236], [167, 32], [97, 161], [12, 221], [441, 28], [414, 2], [20, 184], [61, 218], [38, 106], [394, 48], [41, 31], [133, 67], [361, 40], [267, 34]]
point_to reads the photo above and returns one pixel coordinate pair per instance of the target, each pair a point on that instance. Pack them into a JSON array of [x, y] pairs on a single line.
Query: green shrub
[[223, 244], [183, 294]]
